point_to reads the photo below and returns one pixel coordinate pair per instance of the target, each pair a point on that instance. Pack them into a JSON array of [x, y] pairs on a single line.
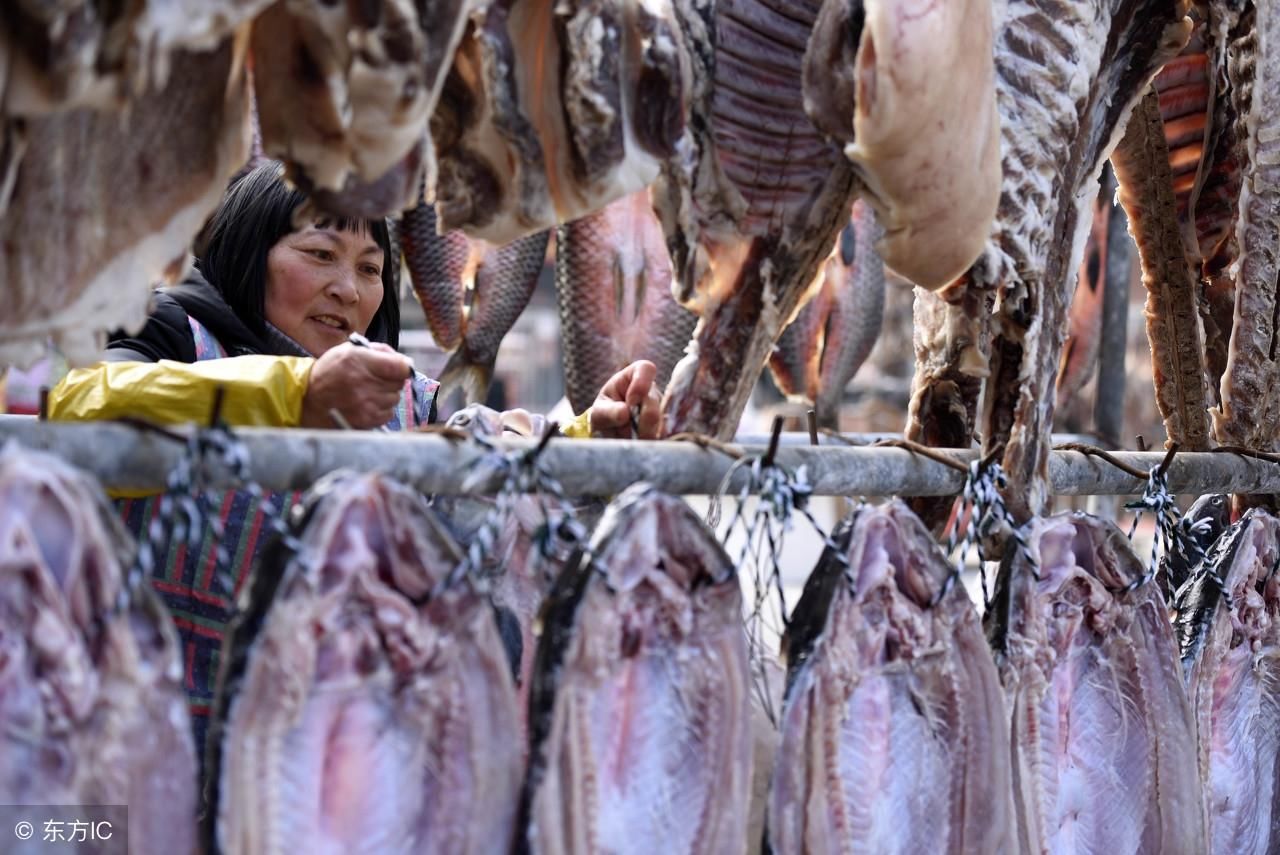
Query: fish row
[[368, 703]]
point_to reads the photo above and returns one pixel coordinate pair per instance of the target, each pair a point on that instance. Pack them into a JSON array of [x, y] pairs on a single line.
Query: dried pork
[[908, 87], [553, 110], [363, 705], [105, 204], [1103, 735], [752, 202], [894, 736], [345, 92], [640, 711], [93, 709]]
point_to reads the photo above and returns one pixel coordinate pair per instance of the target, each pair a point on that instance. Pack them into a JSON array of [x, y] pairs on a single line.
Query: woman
[[266, 316]]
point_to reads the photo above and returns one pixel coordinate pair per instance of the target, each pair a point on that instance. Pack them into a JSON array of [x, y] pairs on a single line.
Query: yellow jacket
[[263, 391]]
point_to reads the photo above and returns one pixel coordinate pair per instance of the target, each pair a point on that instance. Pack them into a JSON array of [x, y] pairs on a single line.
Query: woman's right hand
[[363, 384]]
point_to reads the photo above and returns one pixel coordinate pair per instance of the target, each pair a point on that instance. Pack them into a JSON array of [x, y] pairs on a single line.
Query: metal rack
[[124, 457]]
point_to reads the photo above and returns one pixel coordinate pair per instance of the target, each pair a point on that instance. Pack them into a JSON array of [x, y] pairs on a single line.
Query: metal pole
[[126, 458], [1108, 393], [1108, 406]]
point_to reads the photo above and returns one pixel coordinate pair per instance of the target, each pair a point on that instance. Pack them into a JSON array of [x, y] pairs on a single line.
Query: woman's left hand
[[629, 405]]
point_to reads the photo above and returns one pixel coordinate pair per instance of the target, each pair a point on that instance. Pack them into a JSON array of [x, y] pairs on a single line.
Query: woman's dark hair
[[255, 213]]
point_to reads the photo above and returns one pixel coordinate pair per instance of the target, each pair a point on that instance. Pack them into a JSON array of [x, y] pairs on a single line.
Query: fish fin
[[473, 378]]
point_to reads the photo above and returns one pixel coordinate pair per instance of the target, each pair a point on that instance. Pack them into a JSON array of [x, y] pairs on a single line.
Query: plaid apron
[[201, 596]]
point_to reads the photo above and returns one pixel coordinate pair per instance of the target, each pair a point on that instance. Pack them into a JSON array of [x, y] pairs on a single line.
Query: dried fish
[[894, 737], [93, 709], [362, 705], [613, 284], [1103, 735], [640, 711], [1249, 397], [822, 349], [1230, 639], [1142, 166], [501, 283], [1083, 64]]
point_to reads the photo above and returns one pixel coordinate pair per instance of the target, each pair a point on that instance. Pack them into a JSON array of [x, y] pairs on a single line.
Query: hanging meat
[[345, 92], [1052, 157], [894, 736], [499, 282], [81, 53], [105, 203], [93, 710], [908, 88], [613, 285], [1147, 192], [752, 202], [553, 110], [1229, 631], [822, 349], [1104, 738], [363, 704], [1080, 352], [640, 715], [1249, 399], [1224, 39], [471, 291]]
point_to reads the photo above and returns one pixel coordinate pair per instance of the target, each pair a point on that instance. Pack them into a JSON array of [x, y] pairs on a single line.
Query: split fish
[[894, 736], [92, 710], [1103, 735], [1229, 631], [363, 704], [640, 711]]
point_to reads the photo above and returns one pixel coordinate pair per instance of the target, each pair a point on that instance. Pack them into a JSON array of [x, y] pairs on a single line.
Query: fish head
[[354, 526], [646, 533], [59, 543], [882, 562]]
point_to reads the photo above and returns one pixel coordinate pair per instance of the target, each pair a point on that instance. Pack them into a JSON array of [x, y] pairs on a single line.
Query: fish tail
[[471, 376]]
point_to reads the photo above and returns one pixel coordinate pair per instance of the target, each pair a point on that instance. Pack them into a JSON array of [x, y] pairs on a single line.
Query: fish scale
[[613, 288], [504, 280]]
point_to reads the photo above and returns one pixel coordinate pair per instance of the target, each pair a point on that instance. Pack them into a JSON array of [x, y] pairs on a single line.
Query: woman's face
[[322, 285]]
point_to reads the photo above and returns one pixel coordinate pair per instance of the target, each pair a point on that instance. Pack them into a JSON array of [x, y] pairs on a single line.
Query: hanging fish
[[363, 706], [613, 283], [1229, 634], [528, 554], [640, 711], [1104, 738], [894, 737], [822, 349], [92, 711]]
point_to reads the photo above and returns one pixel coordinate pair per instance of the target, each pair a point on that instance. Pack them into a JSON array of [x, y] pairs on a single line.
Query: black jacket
[[167, 334]]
